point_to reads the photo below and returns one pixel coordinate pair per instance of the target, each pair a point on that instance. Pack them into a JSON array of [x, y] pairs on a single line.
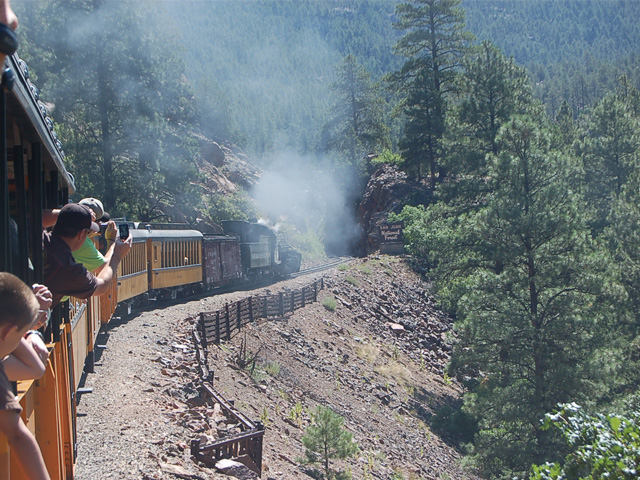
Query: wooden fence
[[248, 442], [219, 325], [216, 326]]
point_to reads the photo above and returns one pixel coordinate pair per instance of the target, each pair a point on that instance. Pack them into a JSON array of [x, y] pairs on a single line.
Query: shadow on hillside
[[445, 417]]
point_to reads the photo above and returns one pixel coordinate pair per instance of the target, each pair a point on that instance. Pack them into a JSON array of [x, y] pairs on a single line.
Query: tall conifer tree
[[492, 89], [356, 127], [433, 45], [529, 329]]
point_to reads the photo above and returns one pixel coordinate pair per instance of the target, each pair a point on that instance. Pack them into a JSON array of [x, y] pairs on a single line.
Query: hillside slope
[[376, 360]]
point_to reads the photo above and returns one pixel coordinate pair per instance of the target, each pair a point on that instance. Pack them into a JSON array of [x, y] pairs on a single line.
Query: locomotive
[[166, 260]]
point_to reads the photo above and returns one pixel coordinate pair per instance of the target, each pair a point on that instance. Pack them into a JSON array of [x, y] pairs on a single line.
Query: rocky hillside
[[372, 349]]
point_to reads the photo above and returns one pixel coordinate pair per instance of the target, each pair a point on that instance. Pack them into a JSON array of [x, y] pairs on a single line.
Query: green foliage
[[256, 73], [352, 281], [601, 446], [272, 368], [491, 88], [434, 40], [124, 113], [329, 303], [295, 414], [308, 243], [356, 127], [326, 439], [387, 157], [364, 268], [236, 207], [454, 423], [573, 50], [609, 144]]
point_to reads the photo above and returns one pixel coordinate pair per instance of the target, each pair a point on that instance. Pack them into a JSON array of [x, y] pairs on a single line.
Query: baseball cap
[[76, 216], [95, 205]]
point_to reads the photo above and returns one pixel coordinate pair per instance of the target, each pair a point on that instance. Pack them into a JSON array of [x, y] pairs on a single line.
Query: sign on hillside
[[391, 241]]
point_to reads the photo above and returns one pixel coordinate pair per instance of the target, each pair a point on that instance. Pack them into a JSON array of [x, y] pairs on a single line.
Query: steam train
[[166, 260]]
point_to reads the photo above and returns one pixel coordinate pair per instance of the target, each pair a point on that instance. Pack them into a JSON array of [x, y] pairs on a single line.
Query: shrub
[[352, 281], [603, 446], [329, 303]]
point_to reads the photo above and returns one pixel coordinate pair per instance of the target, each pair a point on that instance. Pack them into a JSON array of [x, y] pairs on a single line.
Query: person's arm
[[116, 252], [50, 217], [9, 18], [23, 363], [23, 445], [110, 237], [36, 341]]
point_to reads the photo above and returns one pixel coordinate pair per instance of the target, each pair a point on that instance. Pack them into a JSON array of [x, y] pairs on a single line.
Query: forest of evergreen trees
[[523, 117]]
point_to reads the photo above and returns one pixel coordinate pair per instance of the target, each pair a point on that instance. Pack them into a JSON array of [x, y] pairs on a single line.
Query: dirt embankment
[[372, 349]]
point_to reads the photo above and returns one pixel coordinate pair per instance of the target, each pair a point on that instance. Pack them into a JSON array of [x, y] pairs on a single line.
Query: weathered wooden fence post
[[203, 331], [281, 299], [218, 327], [227, 320]]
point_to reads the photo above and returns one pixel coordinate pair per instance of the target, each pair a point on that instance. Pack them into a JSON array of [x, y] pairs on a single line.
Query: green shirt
[[89, 256]]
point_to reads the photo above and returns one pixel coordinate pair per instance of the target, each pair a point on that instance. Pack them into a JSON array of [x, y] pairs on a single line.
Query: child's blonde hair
[[18, 305]]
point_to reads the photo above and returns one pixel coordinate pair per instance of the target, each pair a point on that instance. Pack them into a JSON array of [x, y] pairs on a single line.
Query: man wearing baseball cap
[[88, 254], [63, 275]]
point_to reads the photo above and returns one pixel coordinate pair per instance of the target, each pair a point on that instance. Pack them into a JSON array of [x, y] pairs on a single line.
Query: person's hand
[[7, 15], [122, 247], [111, 232], [45, 299], [39, 347], [43, 294]]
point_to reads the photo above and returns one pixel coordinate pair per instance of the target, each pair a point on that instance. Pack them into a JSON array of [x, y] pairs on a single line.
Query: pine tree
[[356, 127], [492, 89], [432, 45], [609, 146], [528, 321], [120, 109], [326, 439]]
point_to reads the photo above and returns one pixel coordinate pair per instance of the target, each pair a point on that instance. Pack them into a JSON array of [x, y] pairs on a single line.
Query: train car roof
[[138, 234], [162, 226], [24, 103], [174, 234]]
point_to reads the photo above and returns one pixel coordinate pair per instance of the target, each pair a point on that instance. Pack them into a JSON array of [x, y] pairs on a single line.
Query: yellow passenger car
[[175, 258]]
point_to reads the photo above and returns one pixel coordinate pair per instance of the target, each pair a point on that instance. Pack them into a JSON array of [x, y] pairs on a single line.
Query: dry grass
[[396, 372], [368, 352]]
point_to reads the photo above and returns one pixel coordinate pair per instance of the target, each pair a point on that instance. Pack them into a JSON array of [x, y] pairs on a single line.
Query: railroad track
[[324, 266]]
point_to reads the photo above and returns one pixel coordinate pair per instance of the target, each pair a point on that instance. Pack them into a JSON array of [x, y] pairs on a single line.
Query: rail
[[212, 327]]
